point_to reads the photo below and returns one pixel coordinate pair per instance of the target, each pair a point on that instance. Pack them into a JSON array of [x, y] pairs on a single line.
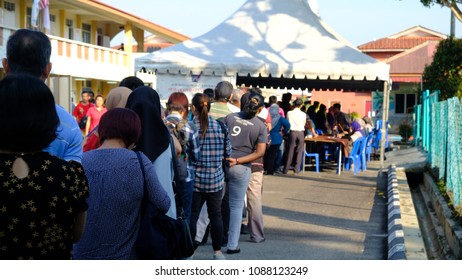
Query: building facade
[[80, 32]]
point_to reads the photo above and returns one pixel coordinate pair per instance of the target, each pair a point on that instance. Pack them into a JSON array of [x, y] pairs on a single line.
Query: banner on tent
[[189, 84]]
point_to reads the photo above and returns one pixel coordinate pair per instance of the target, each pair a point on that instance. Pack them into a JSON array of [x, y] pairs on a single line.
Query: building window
[[70, 29], [404, 103], [52, 18], [9, 6], [86, 33]]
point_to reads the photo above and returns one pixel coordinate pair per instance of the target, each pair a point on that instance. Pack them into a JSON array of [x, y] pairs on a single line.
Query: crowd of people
[[72, 186]]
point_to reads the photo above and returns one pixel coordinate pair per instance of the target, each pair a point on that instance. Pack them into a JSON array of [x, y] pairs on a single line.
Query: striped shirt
[[219, 111], [209, 169]]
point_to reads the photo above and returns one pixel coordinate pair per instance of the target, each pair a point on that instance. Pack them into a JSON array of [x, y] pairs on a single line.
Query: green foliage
[[445, 72], [405, 131]]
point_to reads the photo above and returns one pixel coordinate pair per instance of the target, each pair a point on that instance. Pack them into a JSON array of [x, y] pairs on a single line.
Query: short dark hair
[[298, 102], [131, 82], [28, 51], [337, 106], [223, 91], [120, 123], [273, 99], [27, 113], [210, 93], [87, 90]]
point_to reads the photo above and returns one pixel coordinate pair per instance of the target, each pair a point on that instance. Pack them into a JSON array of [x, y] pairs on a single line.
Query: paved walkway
[[319, 216]]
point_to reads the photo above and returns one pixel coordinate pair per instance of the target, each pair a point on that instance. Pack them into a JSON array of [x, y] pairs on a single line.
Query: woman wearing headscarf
[[116, 179], [280, 126], [116, 98], [249, 138], [154, 141], [356, 132]]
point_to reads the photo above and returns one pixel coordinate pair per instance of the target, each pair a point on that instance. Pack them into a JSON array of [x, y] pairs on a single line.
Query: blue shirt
[[275, 133], [68, 142]]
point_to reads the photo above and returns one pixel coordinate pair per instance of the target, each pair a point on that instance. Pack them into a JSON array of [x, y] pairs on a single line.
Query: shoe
[[231, 251], [253, 240], [244, 229], [219, 256]]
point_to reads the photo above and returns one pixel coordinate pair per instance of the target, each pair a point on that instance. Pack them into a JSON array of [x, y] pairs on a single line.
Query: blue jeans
[[239, 176]]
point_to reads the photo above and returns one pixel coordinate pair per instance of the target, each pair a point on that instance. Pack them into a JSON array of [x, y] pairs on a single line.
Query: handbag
[[83, 122], [161, 237]]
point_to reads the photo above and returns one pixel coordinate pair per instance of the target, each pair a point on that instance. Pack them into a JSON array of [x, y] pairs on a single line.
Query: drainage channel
[[435, 242]]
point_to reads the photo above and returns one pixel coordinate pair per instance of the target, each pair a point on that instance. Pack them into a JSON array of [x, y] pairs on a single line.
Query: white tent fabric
[[268, 38]]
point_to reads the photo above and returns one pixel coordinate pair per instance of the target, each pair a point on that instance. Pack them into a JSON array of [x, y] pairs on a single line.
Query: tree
[[451, 4], [445, 72]]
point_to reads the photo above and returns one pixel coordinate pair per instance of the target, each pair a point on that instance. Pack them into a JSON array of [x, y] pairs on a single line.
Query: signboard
[[188, 84]]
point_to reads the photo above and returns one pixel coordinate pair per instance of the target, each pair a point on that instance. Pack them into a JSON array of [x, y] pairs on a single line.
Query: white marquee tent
[[269, 43]]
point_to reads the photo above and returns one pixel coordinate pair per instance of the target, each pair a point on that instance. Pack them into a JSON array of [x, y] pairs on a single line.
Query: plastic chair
[[354, 157], [316, 159], [369, 141]]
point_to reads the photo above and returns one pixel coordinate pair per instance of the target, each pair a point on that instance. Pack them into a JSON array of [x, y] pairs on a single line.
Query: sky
[[357, 21]]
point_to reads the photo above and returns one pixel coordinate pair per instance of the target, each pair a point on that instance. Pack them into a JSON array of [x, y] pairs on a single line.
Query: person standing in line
[[176, 119], [218, 111], [80, 111], [116, 189], [280, 127], [297, 120], [209, 181], [234, 103], [255, 225], [29, 52], [94, 114], [42, 198], [249, 138], [154, 141], [116, 98]]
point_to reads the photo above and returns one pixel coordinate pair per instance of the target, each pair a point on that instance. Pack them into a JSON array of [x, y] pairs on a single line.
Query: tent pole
[[385, 108]]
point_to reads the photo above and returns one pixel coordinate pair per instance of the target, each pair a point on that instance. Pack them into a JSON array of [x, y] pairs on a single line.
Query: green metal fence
[[438, 128]]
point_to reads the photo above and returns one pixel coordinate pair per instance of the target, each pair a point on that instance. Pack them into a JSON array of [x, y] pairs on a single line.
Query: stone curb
[[396, 248]]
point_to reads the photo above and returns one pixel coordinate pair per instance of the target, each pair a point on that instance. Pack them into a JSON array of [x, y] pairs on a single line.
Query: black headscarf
[[155, 137]]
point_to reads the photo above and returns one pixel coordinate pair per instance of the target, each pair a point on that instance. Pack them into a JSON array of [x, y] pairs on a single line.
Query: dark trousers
[[270, 158], [213, 201], [296, 146]]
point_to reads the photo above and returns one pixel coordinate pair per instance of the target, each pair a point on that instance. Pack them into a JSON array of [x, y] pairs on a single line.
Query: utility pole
[[453, 25]]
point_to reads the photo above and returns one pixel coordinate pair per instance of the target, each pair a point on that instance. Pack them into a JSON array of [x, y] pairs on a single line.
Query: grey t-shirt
[[245, 134]]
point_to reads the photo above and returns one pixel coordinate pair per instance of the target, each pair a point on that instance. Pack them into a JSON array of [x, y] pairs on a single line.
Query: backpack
[[180, 162]]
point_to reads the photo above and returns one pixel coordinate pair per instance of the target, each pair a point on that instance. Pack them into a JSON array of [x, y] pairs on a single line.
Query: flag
[[37, 6]]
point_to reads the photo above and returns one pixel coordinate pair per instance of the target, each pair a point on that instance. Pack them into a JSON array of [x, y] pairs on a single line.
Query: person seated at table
[[355, 132]]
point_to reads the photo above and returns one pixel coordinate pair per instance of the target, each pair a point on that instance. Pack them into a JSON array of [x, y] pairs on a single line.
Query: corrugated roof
[[403, 43]]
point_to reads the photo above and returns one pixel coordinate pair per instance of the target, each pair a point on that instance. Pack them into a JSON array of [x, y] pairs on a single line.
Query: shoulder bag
[[160, 237]]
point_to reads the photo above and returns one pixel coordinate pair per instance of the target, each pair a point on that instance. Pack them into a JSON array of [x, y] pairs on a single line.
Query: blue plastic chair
[[316, 159], [354, 157], [369, 142]]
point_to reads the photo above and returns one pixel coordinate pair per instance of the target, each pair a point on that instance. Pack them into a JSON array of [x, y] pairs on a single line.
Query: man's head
[[223, 91], [86, 95], [28, 52], [337, 107], [298, 102]]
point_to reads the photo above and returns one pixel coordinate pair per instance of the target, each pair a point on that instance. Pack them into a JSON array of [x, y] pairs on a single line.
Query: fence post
[[417, 124], [425, 118]]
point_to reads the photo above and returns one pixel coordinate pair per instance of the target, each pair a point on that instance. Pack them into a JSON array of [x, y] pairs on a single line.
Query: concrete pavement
[[319, 216]]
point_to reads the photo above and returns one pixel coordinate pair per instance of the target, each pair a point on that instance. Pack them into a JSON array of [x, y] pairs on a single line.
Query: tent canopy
[[273, 43]]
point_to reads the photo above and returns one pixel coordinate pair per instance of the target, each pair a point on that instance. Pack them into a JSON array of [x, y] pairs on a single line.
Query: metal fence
[[438, 128]]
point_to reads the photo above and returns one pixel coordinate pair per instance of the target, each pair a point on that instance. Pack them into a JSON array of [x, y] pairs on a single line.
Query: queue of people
[[64, 198]]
